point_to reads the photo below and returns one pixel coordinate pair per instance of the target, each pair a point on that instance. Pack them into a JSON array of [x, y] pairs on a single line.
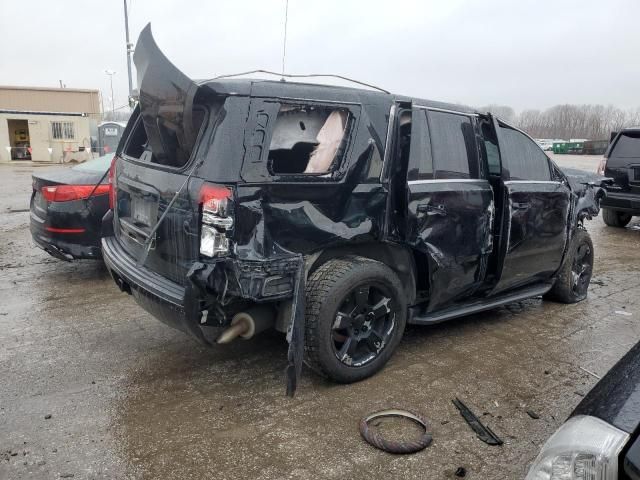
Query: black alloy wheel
[[356, 311], [363, 324], [572, 282], [581, 269]]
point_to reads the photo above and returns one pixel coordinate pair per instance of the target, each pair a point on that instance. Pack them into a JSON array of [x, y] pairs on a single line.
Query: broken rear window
[[308, 140], [172, 154]]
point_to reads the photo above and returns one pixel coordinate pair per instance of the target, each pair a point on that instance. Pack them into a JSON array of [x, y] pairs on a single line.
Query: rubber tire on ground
[[562, 290], [326, 289], [615, 218]]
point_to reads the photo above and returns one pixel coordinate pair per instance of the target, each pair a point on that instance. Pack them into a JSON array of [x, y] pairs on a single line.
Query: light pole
[[111, 73], [129, 47]]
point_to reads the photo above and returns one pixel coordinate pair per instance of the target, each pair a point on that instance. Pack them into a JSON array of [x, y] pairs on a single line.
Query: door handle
[[521, 205], [432, 209]]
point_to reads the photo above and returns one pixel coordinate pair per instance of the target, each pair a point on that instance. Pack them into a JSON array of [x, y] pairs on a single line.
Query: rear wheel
[[615, 218], [355, 318], [575, 274]]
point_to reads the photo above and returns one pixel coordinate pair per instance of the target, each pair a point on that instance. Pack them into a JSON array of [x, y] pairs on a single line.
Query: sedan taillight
[[216, 220], [68, 193]]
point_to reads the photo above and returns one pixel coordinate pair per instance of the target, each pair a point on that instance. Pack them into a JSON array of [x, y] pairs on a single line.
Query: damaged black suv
[[333, 214]]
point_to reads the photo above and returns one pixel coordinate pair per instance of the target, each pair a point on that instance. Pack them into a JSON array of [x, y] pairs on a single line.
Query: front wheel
[[355, 318], [615, 218], [575, 274]]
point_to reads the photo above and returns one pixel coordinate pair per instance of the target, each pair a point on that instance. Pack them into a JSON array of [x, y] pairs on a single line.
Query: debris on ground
[[47, 416], [622, 312], [590, 372], [374, 438], [533, 414], [461, 472], [483, 432]]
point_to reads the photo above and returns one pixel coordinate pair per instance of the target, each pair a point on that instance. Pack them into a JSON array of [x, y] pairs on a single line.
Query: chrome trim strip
[[509, 182], [387, 150], [448, 180], [444, 110]]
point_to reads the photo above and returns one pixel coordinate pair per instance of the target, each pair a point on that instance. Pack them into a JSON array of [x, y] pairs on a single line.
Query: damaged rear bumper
[[216, 289], [211, 288]]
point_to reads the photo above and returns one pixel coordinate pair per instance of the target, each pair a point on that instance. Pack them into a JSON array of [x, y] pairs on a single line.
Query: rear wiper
[[147, 243]]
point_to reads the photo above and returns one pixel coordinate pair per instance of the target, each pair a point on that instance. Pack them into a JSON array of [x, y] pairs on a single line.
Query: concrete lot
[[131, 398]]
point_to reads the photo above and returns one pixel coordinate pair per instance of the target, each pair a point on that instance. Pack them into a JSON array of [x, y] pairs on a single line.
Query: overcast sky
[[526, 54]]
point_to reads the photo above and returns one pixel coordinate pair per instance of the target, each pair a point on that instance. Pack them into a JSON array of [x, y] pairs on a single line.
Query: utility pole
[[129, 47], [111, 73]]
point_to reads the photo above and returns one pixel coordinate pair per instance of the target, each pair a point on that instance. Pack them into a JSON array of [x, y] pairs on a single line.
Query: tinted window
[[453, 145], [627, 146], [491, 148], [522, 158], [420, 160]]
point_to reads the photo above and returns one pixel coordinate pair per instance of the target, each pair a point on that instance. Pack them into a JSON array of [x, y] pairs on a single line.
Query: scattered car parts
[[483, 432], [374, 438]]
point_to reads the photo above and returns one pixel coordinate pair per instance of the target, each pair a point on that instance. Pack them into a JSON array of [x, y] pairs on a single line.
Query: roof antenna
[[284, 42]]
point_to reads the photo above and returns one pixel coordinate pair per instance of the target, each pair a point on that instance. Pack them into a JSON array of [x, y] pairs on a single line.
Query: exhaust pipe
[[247, 324]]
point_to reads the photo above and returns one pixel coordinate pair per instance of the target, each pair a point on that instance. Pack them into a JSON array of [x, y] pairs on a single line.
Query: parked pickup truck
[[334, 214]]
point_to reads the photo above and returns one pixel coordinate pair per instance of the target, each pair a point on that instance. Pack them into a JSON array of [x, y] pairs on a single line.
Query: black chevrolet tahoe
[[622, 164], [336, 215]]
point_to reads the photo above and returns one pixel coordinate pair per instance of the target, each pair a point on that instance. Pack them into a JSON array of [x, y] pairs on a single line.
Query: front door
[[450, 207], [536, 212]]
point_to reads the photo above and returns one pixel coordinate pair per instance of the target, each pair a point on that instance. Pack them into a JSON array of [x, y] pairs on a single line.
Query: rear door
[[535, 227], [450, 204]]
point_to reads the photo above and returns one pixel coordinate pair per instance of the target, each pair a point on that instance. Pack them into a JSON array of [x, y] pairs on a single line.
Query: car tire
[[575, 274], [355, 316], [615, 218]]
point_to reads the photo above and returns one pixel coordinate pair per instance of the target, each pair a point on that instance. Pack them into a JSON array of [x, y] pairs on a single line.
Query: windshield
[[100, 164]]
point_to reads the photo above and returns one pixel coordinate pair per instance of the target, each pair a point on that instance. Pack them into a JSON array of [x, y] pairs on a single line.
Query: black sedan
[[67, 206], [600, 440]]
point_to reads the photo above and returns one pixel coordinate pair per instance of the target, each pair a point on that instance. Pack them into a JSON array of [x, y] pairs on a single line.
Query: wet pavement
[[130, 398]]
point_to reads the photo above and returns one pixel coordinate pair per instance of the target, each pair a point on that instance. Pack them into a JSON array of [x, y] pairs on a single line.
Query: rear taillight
[[112, 183], [68, 193], [216, 220], [601, 166]]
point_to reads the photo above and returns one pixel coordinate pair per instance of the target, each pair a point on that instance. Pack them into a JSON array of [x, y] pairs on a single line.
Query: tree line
[[594, 122]]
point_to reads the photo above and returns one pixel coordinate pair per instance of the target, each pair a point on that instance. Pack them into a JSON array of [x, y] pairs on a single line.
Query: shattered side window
[[308, 140]]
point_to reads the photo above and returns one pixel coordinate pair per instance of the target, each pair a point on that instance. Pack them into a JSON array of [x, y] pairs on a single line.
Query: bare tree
[[574, 121]]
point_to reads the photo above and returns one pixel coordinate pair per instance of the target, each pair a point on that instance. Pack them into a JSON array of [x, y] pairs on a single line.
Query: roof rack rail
[[289, 75]]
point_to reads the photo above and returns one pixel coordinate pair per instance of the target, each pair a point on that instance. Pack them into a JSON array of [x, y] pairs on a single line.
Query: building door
[[19, 139]]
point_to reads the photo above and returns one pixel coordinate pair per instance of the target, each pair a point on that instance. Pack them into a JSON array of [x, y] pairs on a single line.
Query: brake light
[[112, 183], [68, 193], [216, 219], [601, 166]]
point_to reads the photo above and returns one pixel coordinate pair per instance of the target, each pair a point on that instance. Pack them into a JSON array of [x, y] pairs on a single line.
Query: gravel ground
[[93, 387]]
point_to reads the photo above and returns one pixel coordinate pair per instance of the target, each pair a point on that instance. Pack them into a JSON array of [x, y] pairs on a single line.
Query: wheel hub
[[363, 326]]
